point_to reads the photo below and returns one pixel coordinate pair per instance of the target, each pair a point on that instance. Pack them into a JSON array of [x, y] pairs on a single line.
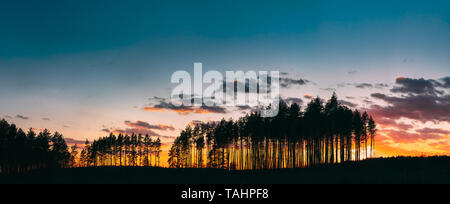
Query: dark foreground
[[434, 170]]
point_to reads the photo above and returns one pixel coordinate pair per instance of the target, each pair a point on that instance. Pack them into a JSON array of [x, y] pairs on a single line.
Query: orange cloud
[[152, 109], [424, 142]]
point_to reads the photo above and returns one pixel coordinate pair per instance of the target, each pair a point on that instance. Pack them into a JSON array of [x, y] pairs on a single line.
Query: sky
[[86, 68]]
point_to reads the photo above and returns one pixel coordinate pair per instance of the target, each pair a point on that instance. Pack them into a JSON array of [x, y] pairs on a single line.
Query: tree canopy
[[21, 152]]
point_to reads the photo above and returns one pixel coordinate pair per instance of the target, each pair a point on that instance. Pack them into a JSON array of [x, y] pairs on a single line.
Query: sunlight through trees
[[322, 134]]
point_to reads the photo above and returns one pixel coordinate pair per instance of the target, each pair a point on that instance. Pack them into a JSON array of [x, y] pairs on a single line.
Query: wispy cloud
[[184, 110], [22, 117], [140, 127], [288, 82]]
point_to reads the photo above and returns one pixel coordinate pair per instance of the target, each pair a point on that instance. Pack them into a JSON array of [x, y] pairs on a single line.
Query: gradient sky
[[87, 67]]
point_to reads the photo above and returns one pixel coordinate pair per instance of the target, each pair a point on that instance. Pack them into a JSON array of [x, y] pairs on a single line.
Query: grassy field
[[374, 171]]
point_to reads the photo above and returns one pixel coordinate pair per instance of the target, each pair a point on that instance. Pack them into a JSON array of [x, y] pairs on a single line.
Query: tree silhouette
[[322, 134], [124, 150], [21, 152]]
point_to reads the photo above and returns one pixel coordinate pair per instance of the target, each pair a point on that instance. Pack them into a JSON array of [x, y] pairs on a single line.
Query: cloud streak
[[22, 117], [140, 127]]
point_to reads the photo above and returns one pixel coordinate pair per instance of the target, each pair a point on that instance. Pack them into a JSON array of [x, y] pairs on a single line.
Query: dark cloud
[[416, 86], [139, 127], [157, 98], [184, 110], [446, 83], [246, 107], [46, 119], [418, 107], [421, 100], [107, 130], [381, 86], [389, 123], [288, 82], [366, 101], [145, 125], [212, 109], [406, 137], [22, 117], [352, 72], [348, 103], [363, 85], [433, 131]]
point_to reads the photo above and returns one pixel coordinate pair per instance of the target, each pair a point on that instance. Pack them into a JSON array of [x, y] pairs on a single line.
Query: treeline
[[21, 152], [121, 150], [322, 134]]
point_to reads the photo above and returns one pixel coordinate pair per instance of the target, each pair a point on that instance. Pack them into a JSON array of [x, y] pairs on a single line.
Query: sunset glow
[[107, 69]]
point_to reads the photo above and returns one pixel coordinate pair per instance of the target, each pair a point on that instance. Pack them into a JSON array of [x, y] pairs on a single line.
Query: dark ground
[[405, 170]]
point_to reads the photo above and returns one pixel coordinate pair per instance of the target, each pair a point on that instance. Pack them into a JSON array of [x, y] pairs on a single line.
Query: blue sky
[[102, 59]]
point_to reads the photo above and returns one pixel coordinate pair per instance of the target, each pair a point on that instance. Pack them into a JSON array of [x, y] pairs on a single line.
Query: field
[[402, 170]]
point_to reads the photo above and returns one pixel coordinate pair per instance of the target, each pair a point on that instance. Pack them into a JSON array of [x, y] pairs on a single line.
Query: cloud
[[212, 109], [366, 101], [420, 100], [22, 117], [407, 137], [107, 130], [145, 125], [416, 86], [352, 72], [152, 109], [446, 83], [418, 107], [381, 85], [307, 96], [389, 123], [139, 127], [184, 110], [288, 82], [442, 145], [433, 131], [46, 119], [348, 103], [363, 85]]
